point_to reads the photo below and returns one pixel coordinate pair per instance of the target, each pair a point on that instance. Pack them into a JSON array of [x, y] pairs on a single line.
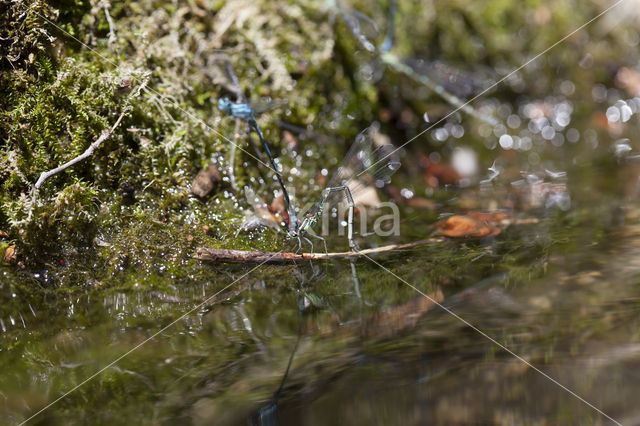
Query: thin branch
[[253, 257], [88, 153], [283, 258], [112, 33]]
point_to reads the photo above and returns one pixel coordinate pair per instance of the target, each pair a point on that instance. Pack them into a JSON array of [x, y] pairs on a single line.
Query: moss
[[165, 63]]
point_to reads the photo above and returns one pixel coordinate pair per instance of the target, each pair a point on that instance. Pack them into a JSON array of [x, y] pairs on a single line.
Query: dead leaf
[[367, 197], [10, 254], [492, 217], [421, 203], [264, 216], [465, 226], [321, 180], [600, 119], [437, 173], [629, 80], [205, 181], [542, 15], [289, 139], [277, 205], [415, 201], [3, 234], [279, 208]]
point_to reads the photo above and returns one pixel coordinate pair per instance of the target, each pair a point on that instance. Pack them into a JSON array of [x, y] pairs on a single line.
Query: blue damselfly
[[245, 112]]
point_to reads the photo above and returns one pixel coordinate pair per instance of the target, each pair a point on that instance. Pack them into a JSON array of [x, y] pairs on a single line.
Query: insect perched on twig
[[365, 164]]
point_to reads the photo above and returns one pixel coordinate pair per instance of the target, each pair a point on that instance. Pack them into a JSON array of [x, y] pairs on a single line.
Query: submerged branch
[[281, 258], [482, 226], [88, 153]]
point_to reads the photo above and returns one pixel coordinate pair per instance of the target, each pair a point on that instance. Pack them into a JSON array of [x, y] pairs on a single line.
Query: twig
[[112, 33], [252, 257], [283, 258], [88, 153]]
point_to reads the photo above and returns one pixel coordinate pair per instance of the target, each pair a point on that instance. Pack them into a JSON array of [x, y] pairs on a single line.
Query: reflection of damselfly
[[370, 162]]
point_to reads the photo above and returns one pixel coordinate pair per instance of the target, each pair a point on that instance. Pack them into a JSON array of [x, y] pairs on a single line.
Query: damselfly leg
[[370, 162], [347, 193]]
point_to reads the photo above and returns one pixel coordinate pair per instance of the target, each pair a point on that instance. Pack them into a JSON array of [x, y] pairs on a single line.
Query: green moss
[[165, 64]]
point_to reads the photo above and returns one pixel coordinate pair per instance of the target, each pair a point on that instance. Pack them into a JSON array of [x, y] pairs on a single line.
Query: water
[[562, 294]]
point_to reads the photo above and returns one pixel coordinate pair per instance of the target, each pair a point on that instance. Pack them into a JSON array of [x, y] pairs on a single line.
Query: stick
[[283, 258], [112, 33], [88, 153], [252, 257]]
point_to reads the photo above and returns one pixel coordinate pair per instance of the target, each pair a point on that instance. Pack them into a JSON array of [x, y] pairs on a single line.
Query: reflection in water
[[352, 345], [267, 415], [330, 343]]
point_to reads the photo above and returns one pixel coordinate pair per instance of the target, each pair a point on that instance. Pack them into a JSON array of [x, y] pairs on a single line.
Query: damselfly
[[370, 162], [245, 112]]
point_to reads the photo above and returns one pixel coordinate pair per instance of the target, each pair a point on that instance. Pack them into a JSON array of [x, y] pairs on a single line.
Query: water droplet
[[457, 131], [441, 134], [548, 132], [506, 142], [465, 161], [626, 113], [567, 88], [599, 92], [513, 121], [613, 114], [563, 119], [573, 135], [406, 193]]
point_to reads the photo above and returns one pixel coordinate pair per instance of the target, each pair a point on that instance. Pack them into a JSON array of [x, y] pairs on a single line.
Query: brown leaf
[[3, 234], [437, 173], [321, 180], [366, 197], [289, 139], [629, 80], [421, 203], [263, 217], [277, 205], [415, 201], [10, 254], [493, 217], [600, 119], [465, 226], [278, 208], [205, 181]]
